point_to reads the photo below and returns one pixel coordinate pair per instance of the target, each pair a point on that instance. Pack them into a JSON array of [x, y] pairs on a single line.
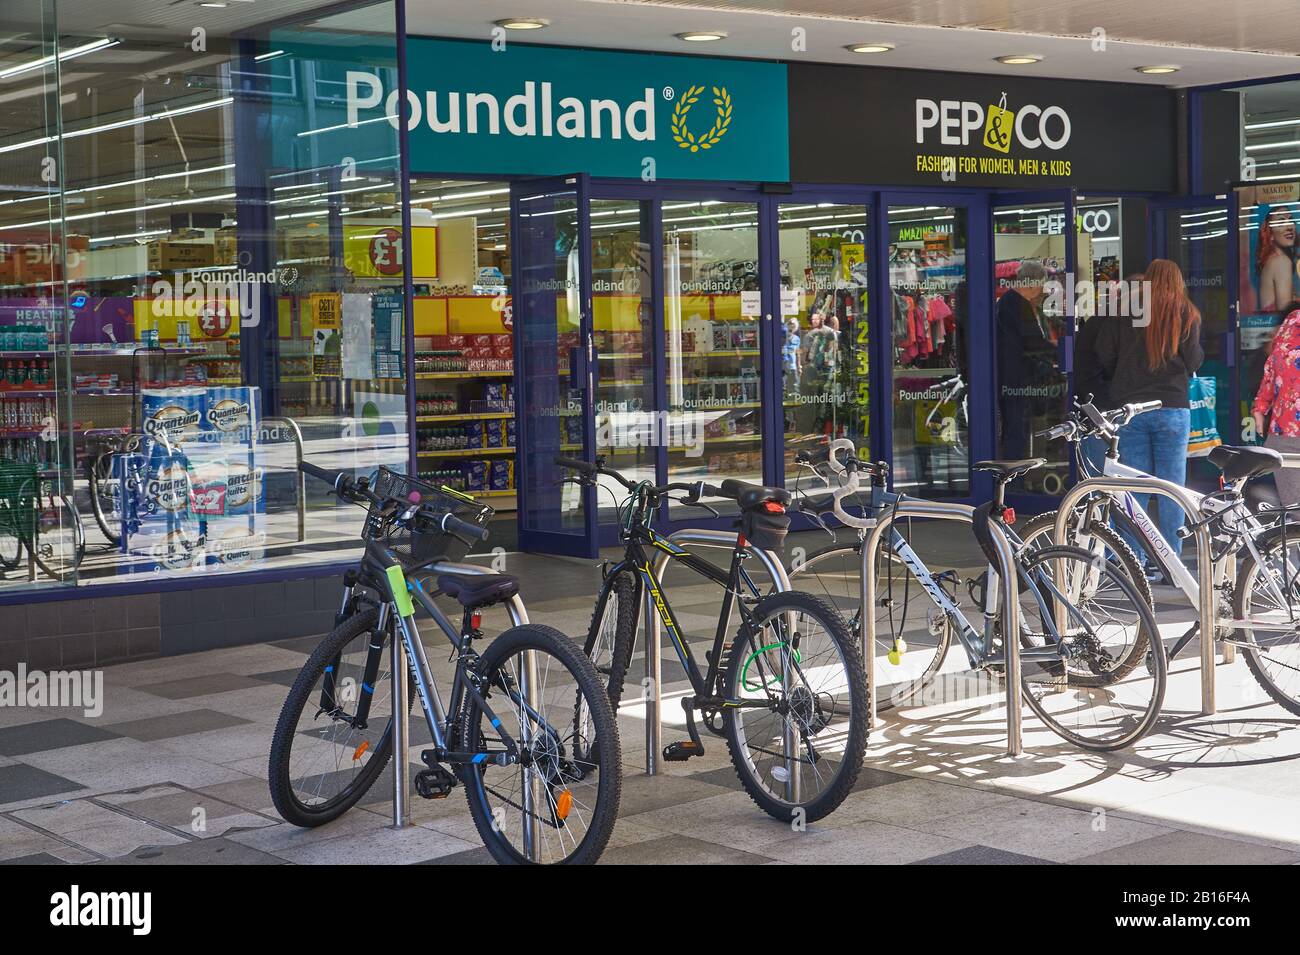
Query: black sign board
[[913, 127]]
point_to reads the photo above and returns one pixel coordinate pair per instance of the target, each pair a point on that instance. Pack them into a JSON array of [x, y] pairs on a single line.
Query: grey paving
[[50, 734], [20, 782], [982, 855], [201, 686], [180, 724]]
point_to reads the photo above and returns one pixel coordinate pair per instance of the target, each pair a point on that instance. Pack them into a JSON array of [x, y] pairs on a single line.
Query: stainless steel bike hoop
[[652, 689], [876, 529], [1204, 567], [401, 718]]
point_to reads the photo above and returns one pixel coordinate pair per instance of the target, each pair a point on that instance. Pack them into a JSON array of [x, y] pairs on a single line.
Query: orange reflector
[[563, 803], [1009, 516], [774, 507], [361, 750]]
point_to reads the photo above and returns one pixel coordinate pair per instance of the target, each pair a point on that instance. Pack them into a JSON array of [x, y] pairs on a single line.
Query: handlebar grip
[[1141, 407], [454, 525], [333, 478], [575, 464]]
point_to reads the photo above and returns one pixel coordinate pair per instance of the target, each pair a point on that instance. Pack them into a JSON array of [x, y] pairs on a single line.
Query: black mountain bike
[[786, 689], [536, 793]]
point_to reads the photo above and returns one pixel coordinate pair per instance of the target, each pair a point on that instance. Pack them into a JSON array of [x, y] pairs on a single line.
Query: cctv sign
[[951, 122]]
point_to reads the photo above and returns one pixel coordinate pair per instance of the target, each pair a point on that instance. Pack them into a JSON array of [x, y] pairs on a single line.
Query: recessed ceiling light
[[1158, 70], [213, 4], [869, 47], [701, 36], [1019, 59], [523, 23]]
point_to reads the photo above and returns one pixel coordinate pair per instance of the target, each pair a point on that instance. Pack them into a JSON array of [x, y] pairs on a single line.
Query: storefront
[[692, 266]]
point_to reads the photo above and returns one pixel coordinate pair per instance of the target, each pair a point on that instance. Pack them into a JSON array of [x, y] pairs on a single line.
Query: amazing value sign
[[921, 128], [550, 110]]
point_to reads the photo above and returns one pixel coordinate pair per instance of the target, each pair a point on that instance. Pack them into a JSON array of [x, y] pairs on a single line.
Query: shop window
[[220, 324], [929, 326], [825, 365], [712, 310]]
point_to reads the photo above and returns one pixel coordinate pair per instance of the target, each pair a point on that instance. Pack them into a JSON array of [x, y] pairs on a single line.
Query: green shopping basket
[[19, 486]]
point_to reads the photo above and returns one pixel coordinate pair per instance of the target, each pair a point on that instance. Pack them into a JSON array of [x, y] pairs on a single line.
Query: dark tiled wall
[[96, 631]]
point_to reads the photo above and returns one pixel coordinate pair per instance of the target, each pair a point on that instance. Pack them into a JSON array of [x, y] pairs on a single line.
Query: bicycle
[[1084, 626], [787, 691], [1266, 594], [106, 485], [36, 516], [505, 733]]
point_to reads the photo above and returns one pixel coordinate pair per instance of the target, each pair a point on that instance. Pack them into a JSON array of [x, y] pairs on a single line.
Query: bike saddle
[[1010, 470], [752, 495], [1239, 463], [478, 590]]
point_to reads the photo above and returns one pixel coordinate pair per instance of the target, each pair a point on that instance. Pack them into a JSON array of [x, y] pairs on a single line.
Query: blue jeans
[[1094, 453], [1156, 442]]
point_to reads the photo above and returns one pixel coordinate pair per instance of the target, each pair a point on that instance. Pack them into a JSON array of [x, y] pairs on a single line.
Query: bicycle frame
[[637, 561]]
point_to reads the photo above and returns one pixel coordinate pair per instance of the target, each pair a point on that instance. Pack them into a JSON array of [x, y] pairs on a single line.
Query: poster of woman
[[1268, 267]]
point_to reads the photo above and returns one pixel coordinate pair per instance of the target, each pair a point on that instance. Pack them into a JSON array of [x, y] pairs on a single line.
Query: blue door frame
[[538, 373]]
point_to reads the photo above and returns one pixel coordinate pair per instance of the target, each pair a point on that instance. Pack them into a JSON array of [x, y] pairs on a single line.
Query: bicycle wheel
[[552, 806], [1268, 591], [1100, 540], [11, 544], [796, 725], [609, 648], [912, 640], [323, 758], [1082, 685], [59, 541], [105, 497]]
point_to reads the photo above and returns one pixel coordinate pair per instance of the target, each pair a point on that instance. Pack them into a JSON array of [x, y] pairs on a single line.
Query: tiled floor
[[174, 772]]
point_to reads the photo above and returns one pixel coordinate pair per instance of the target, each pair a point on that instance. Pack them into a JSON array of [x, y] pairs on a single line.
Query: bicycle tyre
[[854, 736], [71, 519], [98, 473], [1044, 525], [292, 809], [1251, 650], [1156, 659], [548, 640], [610, 647]]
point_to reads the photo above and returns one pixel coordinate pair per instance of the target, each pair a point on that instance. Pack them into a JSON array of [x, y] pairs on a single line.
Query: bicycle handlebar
[[352, 490]]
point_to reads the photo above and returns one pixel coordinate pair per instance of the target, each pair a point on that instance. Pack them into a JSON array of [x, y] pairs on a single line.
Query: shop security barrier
[[401, 725], [301, 479], [1010, 600], [1207, 596], [651, 692]]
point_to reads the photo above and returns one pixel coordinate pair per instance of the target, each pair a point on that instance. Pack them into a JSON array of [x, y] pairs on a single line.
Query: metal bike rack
[[401, 728], [1010, 603], [1204, 566], [296, 433], [653, 648]]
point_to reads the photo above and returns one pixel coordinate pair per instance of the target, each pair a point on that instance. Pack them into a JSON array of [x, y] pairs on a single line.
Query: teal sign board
[[536, 110]]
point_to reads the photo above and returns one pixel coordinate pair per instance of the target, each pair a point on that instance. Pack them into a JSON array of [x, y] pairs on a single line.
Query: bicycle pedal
[[682, 750], [434, 783]]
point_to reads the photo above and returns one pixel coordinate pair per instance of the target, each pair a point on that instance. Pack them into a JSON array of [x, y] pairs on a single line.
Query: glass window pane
[[824, 349], [711, 323], [1030, 261], [928, 323]]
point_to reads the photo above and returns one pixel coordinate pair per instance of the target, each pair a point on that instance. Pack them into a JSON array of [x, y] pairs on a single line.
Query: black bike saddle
[[752, 495], [1238, 463], [478, 590]]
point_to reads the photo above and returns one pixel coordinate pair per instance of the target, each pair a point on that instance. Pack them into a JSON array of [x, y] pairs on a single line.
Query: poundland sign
[[550, 110]]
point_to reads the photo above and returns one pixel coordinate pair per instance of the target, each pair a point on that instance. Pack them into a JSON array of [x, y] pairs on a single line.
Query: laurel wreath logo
[[684, 138]]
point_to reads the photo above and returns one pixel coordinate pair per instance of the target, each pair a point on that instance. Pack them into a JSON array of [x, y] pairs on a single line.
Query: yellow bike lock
[[401, 597]]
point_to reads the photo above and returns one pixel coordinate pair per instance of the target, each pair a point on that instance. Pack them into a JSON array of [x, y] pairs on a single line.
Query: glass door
[[1194, 233], [824, 334], [553, 362], [713, 425], [1035, 256], [933, 382]]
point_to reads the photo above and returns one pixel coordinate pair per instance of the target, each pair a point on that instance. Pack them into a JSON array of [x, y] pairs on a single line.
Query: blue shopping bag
[[1204, 434]]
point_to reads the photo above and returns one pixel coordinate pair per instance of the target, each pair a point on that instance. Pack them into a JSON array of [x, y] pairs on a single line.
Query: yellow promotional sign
[[998, 127], [372, 251], [324, 312], [851, 254]]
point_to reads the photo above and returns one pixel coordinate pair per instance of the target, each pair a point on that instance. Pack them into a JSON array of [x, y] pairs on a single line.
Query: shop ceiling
[[1211, 41]]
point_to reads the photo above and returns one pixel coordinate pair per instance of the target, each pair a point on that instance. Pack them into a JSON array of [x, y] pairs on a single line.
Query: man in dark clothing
[[1026, 355]]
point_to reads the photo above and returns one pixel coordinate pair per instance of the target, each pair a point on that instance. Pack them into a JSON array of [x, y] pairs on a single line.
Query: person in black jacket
[[1091, 383], [1026, 356], [1152, 358]]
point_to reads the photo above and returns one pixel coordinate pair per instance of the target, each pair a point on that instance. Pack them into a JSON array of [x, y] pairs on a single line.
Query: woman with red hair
[[1275, 260], [1151, 357]]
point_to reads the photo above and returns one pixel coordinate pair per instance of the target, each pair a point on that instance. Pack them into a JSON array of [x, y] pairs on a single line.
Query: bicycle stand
[[654, 645], [1208, 602], [401, 705], [1010, 603]]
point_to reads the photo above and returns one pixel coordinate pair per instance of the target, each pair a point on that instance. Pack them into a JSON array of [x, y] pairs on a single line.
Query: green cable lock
[[401, 597]]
